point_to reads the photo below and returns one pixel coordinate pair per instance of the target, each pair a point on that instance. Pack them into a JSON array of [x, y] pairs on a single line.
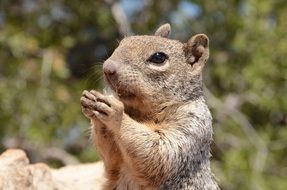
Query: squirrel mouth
[[126, 95], [120, 90], [110, 83]]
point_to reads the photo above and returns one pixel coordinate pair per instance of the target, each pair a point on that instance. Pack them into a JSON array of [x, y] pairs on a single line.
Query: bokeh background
[[51, 50]]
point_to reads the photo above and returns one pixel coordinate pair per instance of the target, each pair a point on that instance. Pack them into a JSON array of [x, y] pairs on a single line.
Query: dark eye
[[158, 57]]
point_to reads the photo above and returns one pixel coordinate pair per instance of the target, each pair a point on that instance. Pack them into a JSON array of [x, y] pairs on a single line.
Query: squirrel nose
[[110, 69]]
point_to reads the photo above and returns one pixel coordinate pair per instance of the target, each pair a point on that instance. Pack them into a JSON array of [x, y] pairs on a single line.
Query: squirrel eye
[[158, 57]]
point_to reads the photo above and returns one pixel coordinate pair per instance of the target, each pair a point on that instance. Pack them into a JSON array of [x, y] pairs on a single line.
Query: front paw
[[87, 101], [107, 109]]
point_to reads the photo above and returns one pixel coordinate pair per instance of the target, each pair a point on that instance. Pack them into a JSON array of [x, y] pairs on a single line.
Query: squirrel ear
[[196, 50], [163, 31]]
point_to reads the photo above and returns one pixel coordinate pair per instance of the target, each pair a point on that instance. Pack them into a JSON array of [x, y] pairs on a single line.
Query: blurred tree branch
[[120, 17], [41, 153]]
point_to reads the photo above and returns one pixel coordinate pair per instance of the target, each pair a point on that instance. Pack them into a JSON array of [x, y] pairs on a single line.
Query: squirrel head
[[147, 72]]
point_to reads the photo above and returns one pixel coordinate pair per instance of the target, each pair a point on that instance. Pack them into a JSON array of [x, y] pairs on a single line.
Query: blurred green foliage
[[50, 51]]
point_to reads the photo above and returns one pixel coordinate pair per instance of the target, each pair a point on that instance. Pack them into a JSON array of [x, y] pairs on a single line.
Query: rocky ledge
[[17, 173]]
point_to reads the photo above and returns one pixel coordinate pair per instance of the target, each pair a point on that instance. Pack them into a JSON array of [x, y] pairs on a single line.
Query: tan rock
[[79, 177], [17, 174], [13, 157], [42, 177]]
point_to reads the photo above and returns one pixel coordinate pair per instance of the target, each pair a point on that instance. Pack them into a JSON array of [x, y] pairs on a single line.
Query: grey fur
[[153, 127]]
